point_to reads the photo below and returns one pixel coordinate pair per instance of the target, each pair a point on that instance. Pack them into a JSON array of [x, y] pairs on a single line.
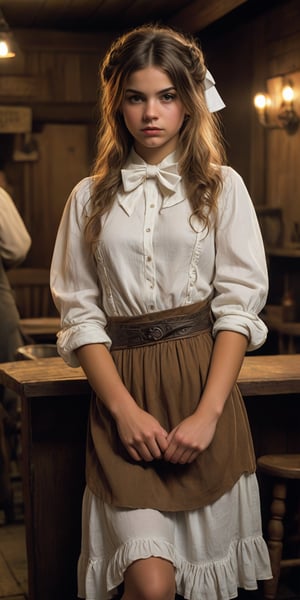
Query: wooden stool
[[282, 467]]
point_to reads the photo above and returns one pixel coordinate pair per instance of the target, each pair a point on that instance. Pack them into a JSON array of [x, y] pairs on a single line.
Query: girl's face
[[153, 113]]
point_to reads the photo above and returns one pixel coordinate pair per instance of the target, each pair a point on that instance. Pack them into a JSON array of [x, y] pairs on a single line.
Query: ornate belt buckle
[[155, 333]]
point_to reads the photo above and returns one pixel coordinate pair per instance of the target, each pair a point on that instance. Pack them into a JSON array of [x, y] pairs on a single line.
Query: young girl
[[159, 275]]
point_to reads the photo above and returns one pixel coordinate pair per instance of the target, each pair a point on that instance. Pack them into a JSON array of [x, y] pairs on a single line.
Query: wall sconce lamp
[[7, 42], [275, 109]]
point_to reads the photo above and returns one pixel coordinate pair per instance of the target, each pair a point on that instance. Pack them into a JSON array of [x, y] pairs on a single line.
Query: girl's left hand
[[191, 437]]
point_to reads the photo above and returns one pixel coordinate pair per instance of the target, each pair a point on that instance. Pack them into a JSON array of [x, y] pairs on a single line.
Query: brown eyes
[[138, 98]]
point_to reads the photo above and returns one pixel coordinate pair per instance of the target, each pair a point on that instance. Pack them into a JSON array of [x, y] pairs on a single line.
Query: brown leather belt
[[130, 335]]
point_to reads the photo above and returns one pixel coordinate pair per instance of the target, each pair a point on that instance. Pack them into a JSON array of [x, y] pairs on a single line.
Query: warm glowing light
[[4, 50], [261, 101], [276, 111], [7, 42], [287, 93]]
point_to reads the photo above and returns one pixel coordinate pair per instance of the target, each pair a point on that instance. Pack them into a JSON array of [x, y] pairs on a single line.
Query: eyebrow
[[168, 89]]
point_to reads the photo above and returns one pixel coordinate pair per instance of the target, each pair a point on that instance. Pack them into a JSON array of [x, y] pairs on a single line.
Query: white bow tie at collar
[[167, 177]]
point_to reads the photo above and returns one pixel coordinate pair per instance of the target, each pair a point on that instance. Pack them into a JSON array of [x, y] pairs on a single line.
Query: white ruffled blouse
[[149, 257]]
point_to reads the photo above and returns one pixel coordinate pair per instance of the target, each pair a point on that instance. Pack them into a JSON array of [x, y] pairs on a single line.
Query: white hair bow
[[213, 99]]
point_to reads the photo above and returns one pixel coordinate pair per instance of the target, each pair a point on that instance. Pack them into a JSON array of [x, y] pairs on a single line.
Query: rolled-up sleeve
[[73, 281], [241, 277]]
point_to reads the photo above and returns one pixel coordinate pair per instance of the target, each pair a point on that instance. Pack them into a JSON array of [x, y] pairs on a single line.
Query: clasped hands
[[145, 439]]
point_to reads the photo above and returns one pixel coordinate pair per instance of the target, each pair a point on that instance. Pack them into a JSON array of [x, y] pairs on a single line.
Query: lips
[[151, 130]]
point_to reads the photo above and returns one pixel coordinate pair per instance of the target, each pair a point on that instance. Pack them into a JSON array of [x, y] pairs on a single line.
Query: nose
[[150, 110]]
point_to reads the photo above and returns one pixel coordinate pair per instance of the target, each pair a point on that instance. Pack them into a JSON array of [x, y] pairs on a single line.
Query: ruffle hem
[[215, 550]]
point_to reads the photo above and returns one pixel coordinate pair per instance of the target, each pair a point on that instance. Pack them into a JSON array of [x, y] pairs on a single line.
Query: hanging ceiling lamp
[[7, 42]]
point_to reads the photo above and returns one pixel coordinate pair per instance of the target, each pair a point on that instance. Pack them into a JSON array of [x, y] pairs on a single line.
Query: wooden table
[[55, 402]]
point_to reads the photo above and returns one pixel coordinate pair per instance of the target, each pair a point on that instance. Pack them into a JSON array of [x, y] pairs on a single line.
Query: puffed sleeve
[[241, 277], [73, 281]]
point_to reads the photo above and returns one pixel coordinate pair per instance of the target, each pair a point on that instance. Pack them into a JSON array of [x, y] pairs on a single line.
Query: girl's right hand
[[142, 435]]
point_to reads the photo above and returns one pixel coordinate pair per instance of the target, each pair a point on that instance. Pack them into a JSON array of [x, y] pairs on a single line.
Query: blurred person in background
[[15, 242]]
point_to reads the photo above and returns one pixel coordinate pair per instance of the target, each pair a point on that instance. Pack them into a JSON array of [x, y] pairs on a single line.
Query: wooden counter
[[260, 375], [55, 402]]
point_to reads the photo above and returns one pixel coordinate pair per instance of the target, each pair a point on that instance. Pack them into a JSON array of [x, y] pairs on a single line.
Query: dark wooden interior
[[60, 44]]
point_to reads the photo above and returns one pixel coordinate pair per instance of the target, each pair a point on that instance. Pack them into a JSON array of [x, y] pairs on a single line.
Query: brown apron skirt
[[166, 377]]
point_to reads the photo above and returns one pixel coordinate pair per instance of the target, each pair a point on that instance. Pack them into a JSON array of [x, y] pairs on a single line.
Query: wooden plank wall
[[283, 150], [243, 55], [56, 75]]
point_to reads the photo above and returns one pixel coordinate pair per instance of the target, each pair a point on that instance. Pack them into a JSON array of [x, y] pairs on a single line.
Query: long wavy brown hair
[[201, 150]]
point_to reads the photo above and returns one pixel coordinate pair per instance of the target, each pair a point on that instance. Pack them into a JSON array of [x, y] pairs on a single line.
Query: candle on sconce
[[287, 116], [262, 102], [287, 94], [276, 111]]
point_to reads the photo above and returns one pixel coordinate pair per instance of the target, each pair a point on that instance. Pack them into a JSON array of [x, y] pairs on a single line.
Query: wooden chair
[[281, 467], [32, 292]]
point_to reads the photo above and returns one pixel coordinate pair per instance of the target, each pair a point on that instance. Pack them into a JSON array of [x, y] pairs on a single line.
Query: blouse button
[[149, 258], [148, 229]]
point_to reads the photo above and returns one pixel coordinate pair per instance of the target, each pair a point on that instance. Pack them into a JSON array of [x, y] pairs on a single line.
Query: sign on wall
[[15, 119], [13, 86]]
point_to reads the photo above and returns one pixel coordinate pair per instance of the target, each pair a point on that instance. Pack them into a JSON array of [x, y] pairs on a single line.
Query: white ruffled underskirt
[[215, 550]]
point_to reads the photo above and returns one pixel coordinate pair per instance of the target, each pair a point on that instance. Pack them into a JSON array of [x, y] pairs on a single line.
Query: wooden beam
[[200, 13], [64, 41]]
